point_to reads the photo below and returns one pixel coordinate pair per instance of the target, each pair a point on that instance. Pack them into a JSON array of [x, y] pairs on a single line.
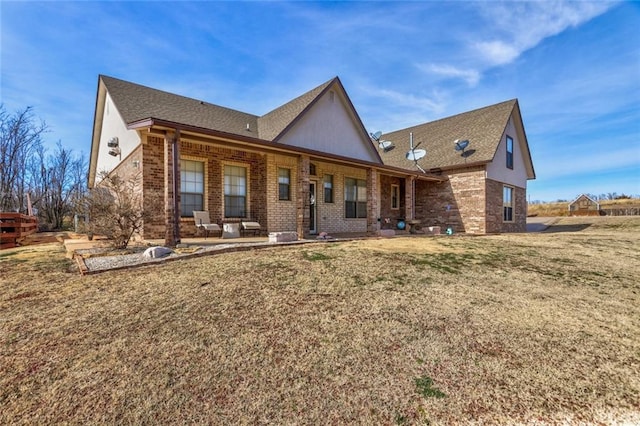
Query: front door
[[313, 217]]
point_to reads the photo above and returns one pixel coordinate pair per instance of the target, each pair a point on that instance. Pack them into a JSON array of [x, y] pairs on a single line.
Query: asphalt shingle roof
[[482, 127], [136, 102]]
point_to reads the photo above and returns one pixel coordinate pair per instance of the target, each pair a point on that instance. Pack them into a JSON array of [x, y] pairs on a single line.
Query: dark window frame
[[395, 196], [355, 204], [191, 200], [507, 203], [509, 145], [328, 190], [235, 205], [284, 187]]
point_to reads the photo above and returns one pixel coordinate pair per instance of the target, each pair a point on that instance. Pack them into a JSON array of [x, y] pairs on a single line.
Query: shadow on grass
[[576, 227]]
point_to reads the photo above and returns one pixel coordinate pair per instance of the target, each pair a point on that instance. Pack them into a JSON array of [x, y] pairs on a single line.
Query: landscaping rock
[[156, 252], [387, 233]]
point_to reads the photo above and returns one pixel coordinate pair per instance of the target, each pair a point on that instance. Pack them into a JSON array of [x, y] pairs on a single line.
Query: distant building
[[584, 206]]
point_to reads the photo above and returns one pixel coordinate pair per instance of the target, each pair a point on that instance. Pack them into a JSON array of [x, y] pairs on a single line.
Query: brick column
[[408, 198], [171, 189], [373, 203], [302, 199]]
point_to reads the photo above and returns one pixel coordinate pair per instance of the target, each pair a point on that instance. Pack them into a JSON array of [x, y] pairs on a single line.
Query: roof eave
[[101, 94], [149, 123]]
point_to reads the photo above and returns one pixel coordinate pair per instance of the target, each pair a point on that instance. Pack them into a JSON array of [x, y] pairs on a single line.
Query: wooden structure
[[14, 227], [584, 206]]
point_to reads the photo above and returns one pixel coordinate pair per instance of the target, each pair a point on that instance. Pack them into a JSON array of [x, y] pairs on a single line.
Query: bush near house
[[115, 208]]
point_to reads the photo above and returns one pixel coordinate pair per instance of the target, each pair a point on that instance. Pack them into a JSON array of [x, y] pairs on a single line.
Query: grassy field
[[530, 328], [562, 209]]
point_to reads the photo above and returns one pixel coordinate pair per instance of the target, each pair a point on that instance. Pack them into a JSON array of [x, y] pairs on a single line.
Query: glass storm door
[[313, 219]]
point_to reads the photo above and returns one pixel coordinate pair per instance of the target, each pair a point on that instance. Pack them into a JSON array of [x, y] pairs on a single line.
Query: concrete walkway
[[539, 224]]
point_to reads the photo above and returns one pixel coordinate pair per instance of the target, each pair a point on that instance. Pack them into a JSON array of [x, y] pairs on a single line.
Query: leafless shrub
[[115, 208]]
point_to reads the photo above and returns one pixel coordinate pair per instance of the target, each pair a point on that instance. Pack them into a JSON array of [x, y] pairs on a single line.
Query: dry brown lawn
[[531, 328], [562, 208]]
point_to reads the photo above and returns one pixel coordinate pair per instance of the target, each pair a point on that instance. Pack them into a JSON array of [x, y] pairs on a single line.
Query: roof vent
[[248, 127]]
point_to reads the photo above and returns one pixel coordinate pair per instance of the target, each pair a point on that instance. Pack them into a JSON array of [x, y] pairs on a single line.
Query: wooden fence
[[621, 211], [14, 227]]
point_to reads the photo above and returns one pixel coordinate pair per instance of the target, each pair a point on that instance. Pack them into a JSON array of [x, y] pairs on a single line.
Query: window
[[395, 197], [355, 198], [328, 188], [191, 187], [284, 184], [507, 204], [235, 191], [312, 169], [509, 152]]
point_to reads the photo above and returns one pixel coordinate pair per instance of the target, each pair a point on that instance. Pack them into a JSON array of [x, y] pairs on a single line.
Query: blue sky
[[574, 66]]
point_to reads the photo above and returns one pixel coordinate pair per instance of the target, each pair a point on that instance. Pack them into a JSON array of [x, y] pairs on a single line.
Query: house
[[309, 165], [584, 206]]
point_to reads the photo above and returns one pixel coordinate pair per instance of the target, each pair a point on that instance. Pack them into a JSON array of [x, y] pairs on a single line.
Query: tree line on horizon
[[610, 196]]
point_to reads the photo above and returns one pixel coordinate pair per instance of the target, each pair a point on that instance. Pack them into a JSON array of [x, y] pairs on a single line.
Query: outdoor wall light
[[115, 151]]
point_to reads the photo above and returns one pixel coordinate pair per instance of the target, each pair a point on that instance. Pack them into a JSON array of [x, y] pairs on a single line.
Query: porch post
[[172, 188], [302, 199], [409, 195], [373, 205]]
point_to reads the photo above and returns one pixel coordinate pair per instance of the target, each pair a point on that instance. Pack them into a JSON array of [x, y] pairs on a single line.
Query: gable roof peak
[[483, 127], [274, 123]]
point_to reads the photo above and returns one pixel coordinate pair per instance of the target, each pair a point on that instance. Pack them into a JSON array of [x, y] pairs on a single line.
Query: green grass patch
[[425, 388], [314, 256], [450, 263]]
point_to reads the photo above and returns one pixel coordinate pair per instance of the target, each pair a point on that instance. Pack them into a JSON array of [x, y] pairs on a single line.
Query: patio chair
[[251, 226], [203, 222]]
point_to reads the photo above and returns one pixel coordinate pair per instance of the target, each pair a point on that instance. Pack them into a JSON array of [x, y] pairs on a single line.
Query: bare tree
[[60, 183], [20, 138], [115, 208]]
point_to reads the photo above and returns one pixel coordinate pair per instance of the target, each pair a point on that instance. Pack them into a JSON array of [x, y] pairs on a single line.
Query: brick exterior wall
[[281, 215], [153, 183], [467, 201], [495, 224], [263, 203], [385, 200], [331, 216], [458, 202], [214, 158]]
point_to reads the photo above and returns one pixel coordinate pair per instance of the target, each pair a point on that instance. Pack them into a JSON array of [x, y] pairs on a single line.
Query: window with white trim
[[191, 187], [507, 204], [355, 198], [235, 191]]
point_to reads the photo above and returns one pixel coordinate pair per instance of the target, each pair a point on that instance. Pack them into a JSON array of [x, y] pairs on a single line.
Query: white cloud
[[524, 25], [470, 76], [433, 105], [497, 52]]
